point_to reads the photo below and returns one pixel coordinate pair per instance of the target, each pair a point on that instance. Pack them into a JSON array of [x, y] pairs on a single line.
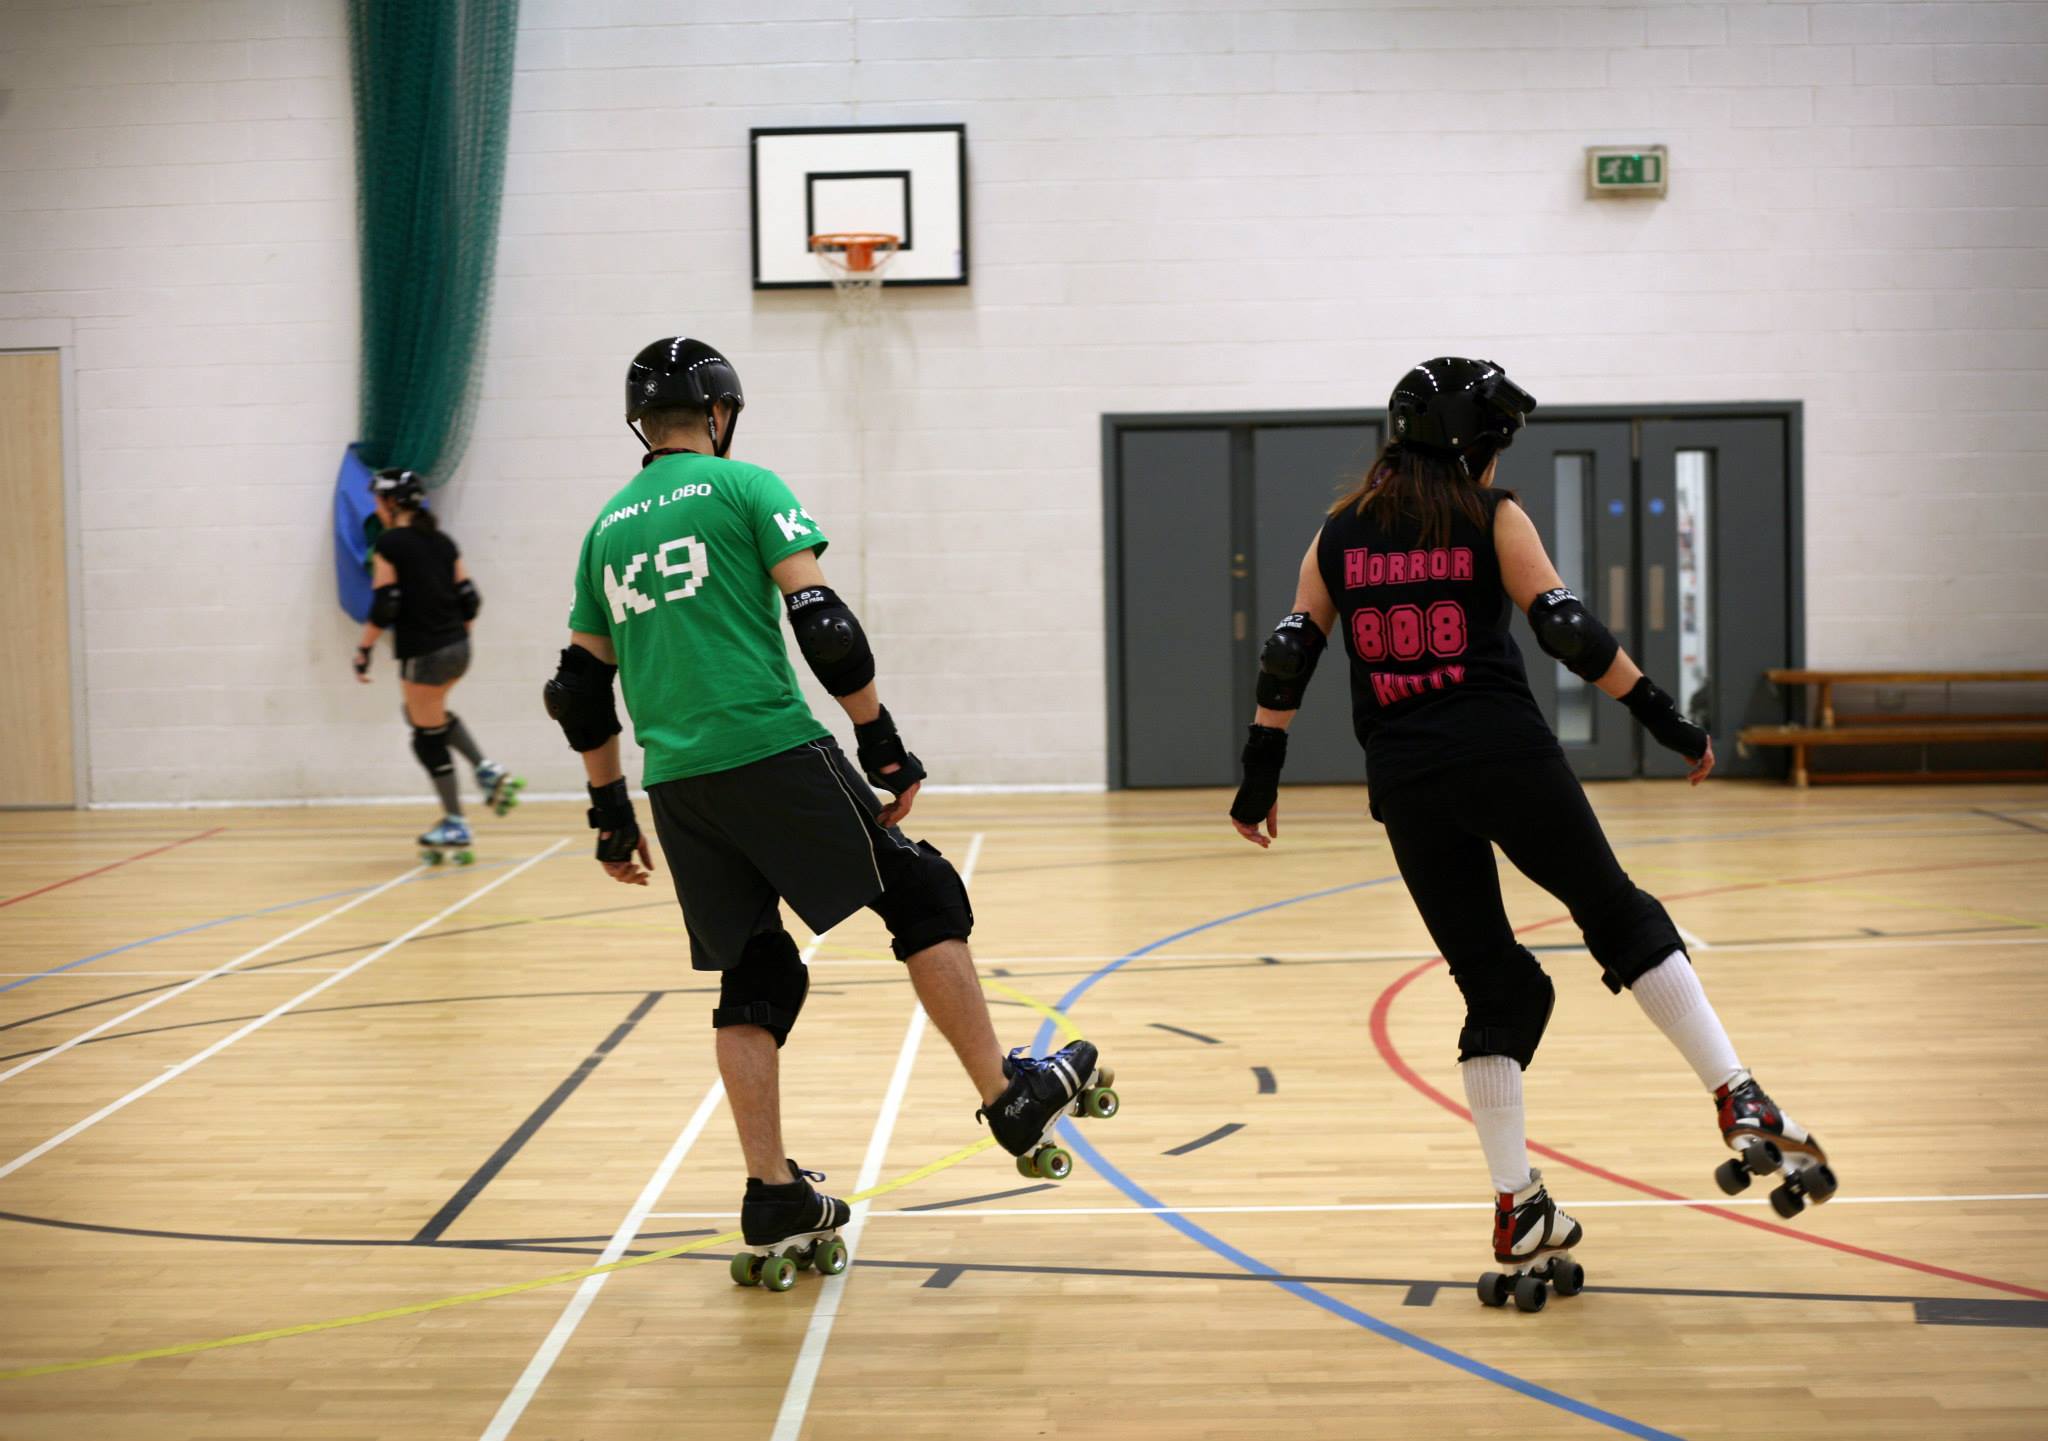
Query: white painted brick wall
[[1183, 205]]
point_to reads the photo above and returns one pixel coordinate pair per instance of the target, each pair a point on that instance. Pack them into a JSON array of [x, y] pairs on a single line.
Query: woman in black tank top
[[1413, 574], [422, 593]]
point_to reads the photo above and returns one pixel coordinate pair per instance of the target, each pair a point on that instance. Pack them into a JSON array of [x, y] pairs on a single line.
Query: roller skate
[[1534, 1238], [1767, 1142], [1066, 1083], [450, 838], [500, 787], [787, 1229]]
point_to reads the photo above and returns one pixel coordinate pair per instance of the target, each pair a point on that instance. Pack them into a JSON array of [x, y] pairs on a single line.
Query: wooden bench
[[1824, 727]]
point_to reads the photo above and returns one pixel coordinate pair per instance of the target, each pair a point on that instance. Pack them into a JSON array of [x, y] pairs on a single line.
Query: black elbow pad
[[467, 599], [384, 606], [831, 639], [580, 699], [1572, 634], [1288, 660]]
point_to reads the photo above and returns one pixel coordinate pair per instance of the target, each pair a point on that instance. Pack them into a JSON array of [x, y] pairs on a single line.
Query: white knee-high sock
[[1671, 995], [1493, 1089]]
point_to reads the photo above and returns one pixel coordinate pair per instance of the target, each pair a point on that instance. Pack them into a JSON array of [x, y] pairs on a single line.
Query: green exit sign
[[1624, 170]]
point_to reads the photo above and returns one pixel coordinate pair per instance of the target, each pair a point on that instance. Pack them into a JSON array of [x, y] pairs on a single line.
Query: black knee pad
[[431, 746], [1507, 1009], [766, 989], [923, 900], [1628, 935]]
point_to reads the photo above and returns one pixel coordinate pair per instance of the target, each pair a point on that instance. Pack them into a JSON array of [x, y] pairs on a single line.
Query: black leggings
[[1443, 830]]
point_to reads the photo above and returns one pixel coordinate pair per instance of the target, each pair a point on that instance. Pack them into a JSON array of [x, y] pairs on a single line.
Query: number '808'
[[1407, 632]]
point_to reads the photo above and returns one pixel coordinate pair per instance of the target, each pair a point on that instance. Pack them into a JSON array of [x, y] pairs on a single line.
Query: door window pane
[[1695, 682], [1574, 475]]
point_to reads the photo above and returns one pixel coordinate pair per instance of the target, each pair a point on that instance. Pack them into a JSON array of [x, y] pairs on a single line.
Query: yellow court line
[[515, 1288]]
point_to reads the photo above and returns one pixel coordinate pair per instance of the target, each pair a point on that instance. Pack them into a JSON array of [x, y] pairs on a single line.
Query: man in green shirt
[[680, 589]]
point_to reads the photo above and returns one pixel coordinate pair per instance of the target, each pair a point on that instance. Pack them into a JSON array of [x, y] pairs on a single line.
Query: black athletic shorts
[[798, 826], [437, 667]]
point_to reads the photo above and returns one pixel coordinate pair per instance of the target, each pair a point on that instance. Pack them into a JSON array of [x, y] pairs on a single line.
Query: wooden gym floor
[[337, 1147]]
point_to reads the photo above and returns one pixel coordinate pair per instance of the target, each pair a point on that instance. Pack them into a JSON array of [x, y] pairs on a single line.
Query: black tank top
[[1436, 680], [428, 615]]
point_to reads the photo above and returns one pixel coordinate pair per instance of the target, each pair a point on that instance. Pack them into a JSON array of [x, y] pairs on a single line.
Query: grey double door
[[1677, 529]]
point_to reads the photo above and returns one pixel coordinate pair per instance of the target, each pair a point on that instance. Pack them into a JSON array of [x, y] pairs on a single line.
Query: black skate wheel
[[1787, 1202], [1819, 1183], [778, 1273], [746, 1269], [1732, 1177], [1493, 1289], [1569, 1277], [1762, 1157], [1531, 1293], [831, 1257], [1055, 1164], [1101, 1103]]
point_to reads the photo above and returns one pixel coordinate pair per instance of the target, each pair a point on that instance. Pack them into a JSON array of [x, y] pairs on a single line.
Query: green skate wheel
[[432, 858], [1732, 1177], [1101, 1103], [801, 1256], [1787, 1202], [1568, 1278], [1027, 1167], [465, 858], [1531, 1294], [1055, 1164], [1493, 1289], [746, 1269], [778, 1273], [831, 1256], [509, 797]]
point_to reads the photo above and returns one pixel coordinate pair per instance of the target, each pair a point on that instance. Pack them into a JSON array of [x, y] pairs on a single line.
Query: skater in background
[[680, 591], [423, 595], [1417, 566]]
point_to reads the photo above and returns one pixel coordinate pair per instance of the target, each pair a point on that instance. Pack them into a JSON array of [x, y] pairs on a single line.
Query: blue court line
[[209, 925], [1071, 1135]]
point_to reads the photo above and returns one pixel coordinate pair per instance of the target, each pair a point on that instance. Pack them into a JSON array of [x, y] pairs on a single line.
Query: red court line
[[111, 866], [1383, 1040]]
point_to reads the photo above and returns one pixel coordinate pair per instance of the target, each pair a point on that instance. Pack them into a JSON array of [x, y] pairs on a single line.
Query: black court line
[[2010, 820], [977, 1200], [1183, 1031], [1229, 1128], [1927, 1310], [1264, 1075], [456, 1204]]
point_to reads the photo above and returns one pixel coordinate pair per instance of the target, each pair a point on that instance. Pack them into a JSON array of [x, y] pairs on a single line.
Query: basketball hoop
[[854, 261]]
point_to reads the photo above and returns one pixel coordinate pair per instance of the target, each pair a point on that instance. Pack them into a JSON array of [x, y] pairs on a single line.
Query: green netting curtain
[[433, 87]]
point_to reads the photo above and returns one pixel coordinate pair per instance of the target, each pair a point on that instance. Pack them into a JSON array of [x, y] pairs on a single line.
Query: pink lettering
[[1397, 568], [1354, 569], [1376, 570], [1461, 563], [1439, 564]]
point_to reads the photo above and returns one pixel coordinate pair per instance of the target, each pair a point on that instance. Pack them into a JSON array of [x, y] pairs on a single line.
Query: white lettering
[[791, 526], [621, 594], [693, 571]]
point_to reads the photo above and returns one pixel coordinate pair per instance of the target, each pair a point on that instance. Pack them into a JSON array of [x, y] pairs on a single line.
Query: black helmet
[[1466, 409], [687, 374], [403, 488]]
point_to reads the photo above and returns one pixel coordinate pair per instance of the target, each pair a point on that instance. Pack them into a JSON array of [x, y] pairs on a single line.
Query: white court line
[[529, 1382], [173, 1072], [205, 976], [940, 1215], [536, 1373], [803, 1379], [282, 975], [1693, 941]]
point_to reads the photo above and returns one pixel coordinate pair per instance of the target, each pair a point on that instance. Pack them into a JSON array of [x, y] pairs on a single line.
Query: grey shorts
[[437, 667], [797, 826]]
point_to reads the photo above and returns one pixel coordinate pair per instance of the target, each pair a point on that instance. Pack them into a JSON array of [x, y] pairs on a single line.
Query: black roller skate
[[1534, 1238], [1767, 1142], [787, 1229], [1069, 1082]]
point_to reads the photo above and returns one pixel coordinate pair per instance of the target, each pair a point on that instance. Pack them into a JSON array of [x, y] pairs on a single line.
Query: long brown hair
[[1406, 484]]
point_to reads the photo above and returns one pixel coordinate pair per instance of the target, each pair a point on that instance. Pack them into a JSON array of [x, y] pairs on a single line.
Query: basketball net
[[854, 261]]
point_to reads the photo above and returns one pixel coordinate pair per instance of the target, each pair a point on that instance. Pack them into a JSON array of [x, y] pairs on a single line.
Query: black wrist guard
[[1265, 752], [611, 816], [1658, 714], [878, 746], [362, 660]]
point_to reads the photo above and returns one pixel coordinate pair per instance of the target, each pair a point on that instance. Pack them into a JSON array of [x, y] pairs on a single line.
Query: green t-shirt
[[675, 571]]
